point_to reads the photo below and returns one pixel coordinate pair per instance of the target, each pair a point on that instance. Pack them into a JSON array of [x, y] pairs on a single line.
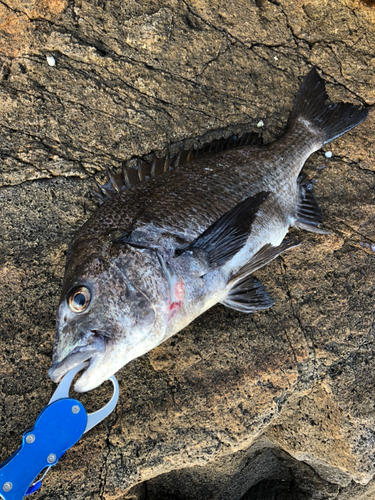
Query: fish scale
[[161, 251]]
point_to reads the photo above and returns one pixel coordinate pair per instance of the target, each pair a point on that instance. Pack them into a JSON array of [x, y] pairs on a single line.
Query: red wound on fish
[[179, 290], [177, 298], [174, 308]]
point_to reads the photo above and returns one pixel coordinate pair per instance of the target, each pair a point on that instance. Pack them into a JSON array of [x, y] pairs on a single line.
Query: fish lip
[[86, 381], [77, 356]]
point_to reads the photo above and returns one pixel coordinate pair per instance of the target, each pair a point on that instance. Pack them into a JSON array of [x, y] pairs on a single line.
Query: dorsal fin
[[130, 176]]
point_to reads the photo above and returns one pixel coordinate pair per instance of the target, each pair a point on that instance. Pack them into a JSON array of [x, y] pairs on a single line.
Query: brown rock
[[273, 405]]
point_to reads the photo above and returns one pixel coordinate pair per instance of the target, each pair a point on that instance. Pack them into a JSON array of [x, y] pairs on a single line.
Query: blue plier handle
[[58, 427]]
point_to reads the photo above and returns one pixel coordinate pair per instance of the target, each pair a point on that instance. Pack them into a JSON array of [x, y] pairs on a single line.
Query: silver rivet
[[51, 458], [7, 486], [30, 438], [75, 409]]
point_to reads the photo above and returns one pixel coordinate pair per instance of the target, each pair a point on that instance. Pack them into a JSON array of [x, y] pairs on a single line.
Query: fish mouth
[[93, 353]]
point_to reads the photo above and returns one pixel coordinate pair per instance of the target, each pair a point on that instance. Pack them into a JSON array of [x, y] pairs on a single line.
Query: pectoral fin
[[221, 241], [261, 258], [248, 295]]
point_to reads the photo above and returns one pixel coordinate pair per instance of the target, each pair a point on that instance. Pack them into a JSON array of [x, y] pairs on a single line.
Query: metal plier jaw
[[58, 427]]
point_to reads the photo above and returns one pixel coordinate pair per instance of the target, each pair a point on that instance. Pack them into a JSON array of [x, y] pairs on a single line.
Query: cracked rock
[[278, 404]]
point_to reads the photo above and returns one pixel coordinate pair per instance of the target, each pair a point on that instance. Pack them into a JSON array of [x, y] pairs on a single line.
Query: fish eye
[[79, 299]]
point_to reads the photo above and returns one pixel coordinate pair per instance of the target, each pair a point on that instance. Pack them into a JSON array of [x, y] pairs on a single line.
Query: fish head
[[113, 308]]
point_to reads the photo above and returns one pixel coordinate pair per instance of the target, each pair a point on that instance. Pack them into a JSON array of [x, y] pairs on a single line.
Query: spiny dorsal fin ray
[[112, 179], [248, 295], [157, 166], [261, 258], [221, 241]]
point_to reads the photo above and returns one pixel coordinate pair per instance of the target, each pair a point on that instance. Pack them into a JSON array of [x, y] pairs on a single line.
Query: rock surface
[[276, 405]]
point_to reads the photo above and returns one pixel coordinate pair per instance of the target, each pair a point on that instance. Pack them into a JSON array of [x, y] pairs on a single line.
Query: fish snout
[[93, 348]]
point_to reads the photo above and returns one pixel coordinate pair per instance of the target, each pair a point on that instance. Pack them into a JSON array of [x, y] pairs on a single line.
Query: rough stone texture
[[276, 405]]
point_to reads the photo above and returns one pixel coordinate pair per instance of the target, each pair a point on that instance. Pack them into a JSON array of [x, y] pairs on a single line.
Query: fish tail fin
[[325, 121]]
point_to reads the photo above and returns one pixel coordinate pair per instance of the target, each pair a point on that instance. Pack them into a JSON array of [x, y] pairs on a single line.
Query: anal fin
[[309, 215], [248, 295]]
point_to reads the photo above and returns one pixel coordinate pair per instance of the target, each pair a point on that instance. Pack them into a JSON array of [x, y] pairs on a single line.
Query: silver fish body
[[160, 253]]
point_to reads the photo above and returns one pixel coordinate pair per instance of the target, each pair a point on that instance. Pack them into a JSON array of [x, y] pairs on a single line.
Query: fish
[[180, 234]]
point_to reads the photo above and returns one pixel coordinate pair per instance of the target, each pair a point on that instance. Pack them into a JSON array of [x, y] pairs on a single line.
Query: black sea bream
[[161, 252]]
